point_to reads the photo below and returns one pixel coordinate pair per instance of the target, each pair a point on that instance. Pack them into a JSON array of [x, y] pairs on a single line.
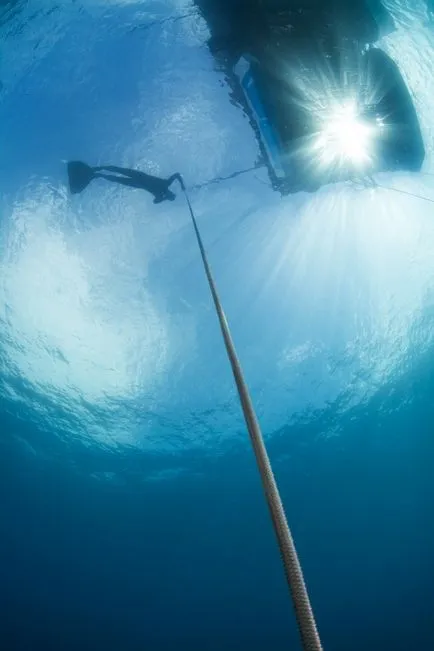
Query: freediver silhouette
[[80, 175]]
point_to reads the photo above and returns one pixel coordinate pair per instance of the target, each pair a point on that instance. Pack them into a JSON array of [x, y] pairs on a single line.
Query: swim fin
[[79, 176]]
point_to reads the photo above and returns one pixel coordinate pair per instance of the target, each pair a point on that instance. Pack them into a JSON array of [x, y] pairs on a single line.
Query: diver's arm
[[176, 177]]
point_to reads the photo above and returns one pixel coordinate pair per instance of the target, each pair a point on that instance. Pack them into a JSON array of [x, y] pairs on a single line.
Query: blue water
[[132, 516]]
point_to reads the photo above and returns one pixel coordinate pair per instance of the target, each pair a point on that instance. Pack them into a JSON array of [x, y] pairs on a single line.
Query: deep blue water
[[132, 515]]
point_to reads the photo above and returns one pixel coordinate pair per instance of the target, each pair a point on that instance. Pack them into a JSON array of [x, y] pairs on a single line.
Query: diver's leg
[[126, 171], [112, 168], [122, 180]]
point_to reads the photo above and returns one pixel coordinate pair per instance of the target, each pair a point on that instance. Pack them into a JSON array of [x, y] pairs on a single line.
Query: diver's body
[[137, 179], [80, 175]]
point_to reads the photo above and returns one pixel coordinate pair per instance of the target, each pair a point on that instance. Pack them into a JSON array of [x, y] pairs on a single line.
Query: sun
[[345, 138]]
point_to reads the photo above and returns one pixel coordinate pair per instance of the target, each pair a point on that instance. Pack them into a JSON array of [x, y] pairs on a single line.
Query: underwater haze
[[131, 510]]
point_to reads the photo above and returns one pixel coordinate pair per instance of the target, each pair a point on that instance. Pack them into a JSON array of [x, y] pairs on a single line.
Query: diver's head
[[167, 195]]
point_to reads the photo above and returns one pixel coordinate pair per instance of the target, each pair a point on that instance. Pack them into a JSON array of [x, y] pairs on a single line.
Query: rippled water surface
[[132, 515]]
